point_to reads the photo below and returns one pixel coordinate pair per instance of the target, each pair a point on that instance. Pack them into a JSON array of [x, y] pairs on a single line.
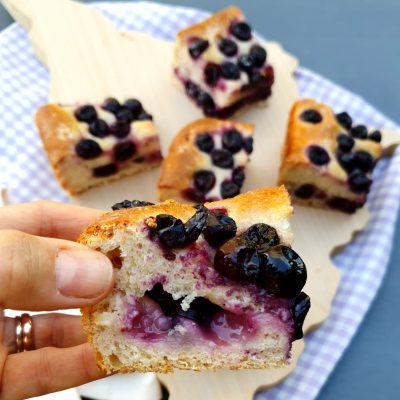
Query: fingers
[[45, 218], [41, 274], [50, 330], [38, 372]]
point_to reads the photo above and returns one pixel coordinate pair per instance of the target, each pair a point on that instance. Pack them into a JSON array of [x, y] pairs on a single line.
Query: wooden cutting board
[[90, 60]]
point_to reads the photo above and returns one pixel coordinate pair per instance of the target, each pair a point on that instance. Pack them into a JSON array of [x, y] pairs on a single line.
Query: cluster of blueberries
[[125, 113], [204, 180], [357, 163]]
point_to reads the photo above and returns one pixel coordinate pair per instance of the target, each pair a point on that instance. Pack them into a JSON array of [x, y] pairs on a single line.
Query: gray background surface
[[355, 43]]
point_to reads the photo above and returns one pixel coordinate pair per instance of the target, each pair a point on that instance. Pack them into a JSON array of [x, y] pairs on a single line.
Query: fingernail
[[82, 273]]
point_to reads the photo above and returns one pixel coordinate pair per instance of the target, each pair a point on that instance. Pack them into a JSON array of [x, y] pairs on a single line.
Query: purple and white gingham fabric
[[26, 173]]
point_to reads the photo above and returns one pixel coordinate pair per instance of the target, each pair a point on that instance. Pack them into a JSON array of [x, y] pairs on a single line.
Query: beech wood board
[[90, 60]]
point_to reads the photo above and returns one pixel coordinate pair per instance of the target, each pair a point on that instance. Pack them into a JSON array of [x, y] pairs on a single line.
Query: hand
[[41, 269]]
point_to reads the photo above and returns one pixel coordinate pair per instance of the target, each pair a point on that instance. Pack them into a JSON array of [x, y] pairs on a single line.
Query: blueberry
[[318, 155], [232, 140], [344, 120], [229, 189], [258, 54], [192, 90], [112, 105], [311, 116], [120, 129], [197, 47], [126, 116], [86, 113], [212, 73], [205, 100], [219, 228], [134, 106], [238, 176], [241, 30], [204, 180], [124, 151], [141, 203], [246, 63], [376, 136], [131, 204], [345, 142], [261, 237], [201, 310], [342, 204], [255, 77], [229, 70], [170, 230], [193, 194], [284, 274], [205, 142], [305, 191], [105, 170], [99, 128], [168, 305], [248, 145], [299, 311], [228, 47], [222, 158], [145, 117], [195, 224], [359, 182], [88, 149], [363, 160], [359, 131]]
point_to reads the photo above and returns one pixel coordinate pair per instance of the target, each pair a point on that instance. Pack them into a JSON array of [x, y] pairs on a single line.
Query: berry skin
[[195, 224], [305, 191], [131, 204], [344, 120], [229, 70], [346, 160], [88, 149], [124, 151], [318, 155], [228, 47], [205, 142], [125, 116], [248, 145], [345, 142], [232, 140], [311, 116], [212, 72], [359, 182], [241, 30], [194, 194], [170, 230], [204, 180], [112, 105], [222, 158], [120, 129], [105, 170], [376, 136], [363, 160], [197, 47], [299, 311], [144, 117], [134, 106], [238, 176], [219, 228], [261, 237], [86, 113], [359, 132], [258, 54], [246, 63], [229, 189], [99, 128]]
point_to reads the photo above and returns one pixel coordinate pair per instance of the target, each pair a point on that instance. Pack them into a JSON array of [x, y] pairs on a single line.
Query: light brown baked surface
[[184, 158]]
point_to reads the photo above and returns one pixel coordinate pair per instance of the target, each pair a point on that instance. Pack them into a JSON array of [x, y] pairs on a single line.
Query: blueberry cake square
[[327, 160], [201, 288], [221, 65], [91, 144], [206, 161]]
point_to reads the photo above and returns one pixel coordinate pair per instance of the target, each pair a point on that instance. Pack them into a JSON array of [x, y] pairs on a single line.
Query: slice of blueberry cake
[[91, 144], [221, 65], [206, 161], [201, 288], [327, 160]]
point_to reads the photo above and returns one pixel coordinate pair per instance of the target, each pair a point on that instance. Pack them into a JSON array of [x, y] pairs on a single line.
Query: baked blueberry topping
[[222, 158], [86, 113], [105, 170], [363, 160], [204, 180], [125, 116], [359, 182], [205, 142], [205, 101], [248, 145], [376, 136], [88, 149], [229, 70], [228, 47], [112, 105], [232, 140], [318, 155], [261, 237], [359, 131], [241, 30], [299, 311], [345, 142], [229, 189], [258, 54], [219, 228], [284, 273], [195, 224], [194, 194], [131, 204], [192, 90], [99, 128], [305, 191], [246, 63], [344, 119], [342, 204], [255, 77], [124, 151], [347, 161], [238, 176], [170, 230], [144, 117], [311, 116], [134, 106], [197, 47], [120, 129], [212, 73]]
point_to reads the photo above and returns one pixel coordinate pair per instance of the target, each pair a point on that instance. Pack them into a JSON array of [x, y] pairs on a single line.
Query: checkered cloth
[[26, 173]]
